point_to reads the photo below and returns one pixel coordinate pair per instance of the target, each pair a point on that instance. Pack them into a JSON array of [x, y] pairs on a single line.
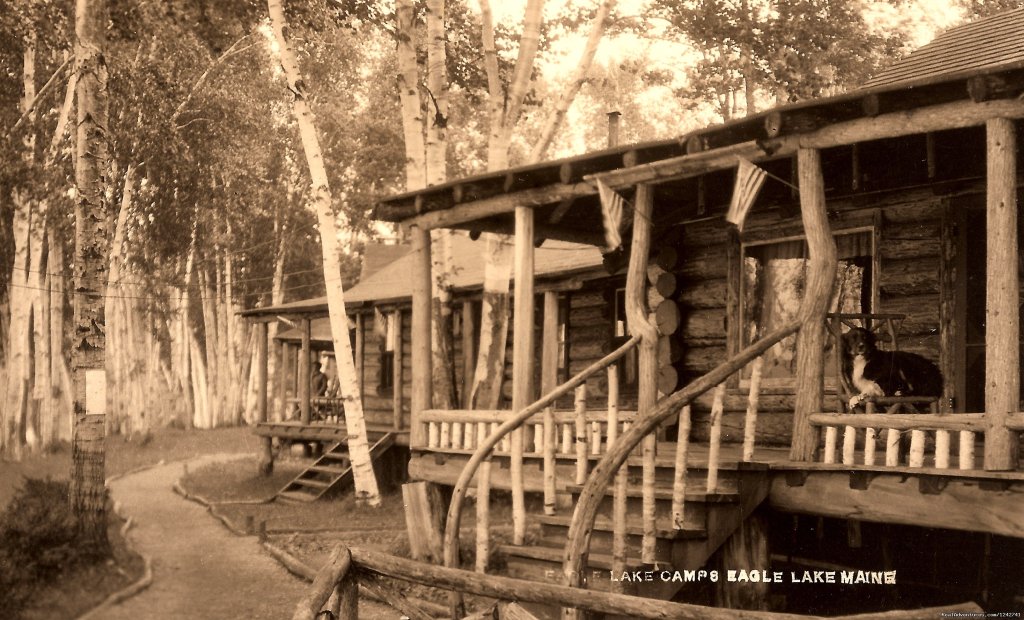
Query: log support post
[[821, 274], [549, 380], [266, 461], [647, 378], [469, 337], [522, 359], [1002, 334], [397, 369], [305, 372], [421, 363]]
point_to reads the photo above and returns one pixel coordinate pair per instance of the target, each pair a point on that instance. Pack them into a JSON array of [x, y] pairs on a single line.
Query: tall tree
[[88, 493], [359, 450]]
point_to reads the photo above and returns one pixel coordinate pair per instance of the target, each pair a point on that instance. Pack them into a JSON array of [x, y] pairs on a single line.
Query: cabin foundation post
[[266, 461], [810, 356], [747, 547], [1002, 334], [425, 513], [420, 354], [522, 359]]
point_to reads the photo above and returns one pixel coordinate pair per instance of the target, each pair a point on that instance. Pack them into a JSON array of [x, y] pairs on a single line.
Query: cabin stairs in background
[[709, 519], [331, 472]]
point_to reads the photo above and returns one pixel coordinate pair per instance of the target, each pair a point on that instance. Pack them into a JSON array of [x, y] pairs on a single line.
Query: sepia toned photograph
[[511, 309]]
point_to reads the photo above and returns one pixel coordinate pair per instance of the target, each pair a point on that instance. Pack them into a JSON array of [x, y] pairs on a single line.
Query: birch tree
[[88, 493], [359, 451]]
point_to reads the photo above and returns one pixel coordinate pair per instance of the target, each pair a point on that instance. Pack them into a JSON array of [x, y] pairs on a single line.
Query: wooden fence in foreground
[[336, 589]]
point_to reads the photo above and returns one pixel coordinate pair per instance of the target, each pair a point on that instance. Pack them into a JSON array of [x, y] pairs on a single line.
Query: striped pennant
[[749, 179], [612, 205]]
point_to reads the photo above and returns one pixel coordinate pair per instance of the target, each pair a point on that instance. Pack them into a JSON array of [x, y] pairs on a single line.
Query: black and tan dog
[[878, 373]]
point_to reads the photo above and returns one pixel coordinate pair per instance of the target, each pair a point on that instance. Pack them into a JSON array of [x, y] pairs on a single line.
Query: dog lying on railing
[[877, 373]]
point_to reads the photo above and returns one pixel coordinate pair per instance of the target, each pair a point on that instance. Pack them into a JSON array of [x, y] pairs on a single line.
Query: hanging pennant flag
[[380, 323], [749, 179], [611, 214]]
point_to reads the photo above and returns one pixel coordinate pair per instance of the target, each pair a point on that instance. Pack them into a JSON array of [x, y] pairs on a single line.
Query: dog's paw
[[856, 401]]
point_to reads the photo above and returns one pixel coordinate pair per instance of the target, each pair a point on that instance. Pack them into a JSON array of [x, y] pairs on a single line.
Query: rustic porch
[[593, 466]]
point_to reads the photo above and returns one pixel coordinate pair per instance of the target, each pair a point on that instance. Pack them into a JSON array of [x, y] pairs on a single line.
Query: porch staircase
[[709, 519], [331, 472]]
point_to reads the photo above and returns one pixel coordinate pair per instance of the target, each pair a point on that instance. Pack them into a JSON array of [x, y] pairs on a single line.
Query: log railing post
[[581, 433], [522, 360], [266, 464], [679, 483], [421, 337], [810, 386], [750, 422], [715, 440], [1002, 331]]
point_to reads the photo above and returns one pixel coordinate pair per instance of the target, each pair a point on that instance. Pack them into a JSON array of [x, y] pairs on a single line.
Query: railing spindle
[[942, 449], [679, 481], [619, 550], [566, 439], [549, 461], [613, 404], [446, 437], [717, 408], [750, 423], [595, 437], [892, 447], [538, 438], [483, 515], [966, 450], [849, 445], [468, 435], [581, 434], [433, 437], [870, 437], [917, 448], [829, 455], [457, 435]]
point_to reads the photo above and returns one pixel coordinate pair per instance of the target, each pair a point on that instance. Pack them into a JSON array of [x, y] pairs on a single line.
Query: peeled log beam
[[820, 279], [987, 87], [779, 122], [666, 284], [1002, 334]]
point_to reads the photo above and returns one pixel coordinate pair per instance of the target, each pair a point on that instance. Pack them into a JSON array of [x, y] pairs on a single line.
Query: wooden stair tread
[[326, 469], [338, 456], [297, 496], [664, 530], [555, 555], [694, 493], [308, 482]]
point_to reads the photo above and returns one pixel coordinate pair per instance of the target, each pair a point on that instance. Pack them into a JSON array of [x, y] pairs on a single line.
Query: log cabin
[[713, 435]]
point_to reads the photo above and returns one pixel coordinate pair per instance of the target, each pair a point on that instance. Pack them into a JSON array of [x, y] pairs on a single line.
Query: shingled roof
[[393, 282], [994, 41]]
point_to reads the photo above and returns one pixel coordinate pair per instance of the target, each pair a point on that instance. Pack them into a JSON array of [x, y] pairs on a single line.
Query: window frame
[[783, 385], [386, 385]]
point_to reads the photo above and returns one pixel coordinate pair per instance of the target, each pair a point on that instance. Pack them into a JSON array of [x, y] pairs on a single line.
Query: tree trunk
[[579, 76], [88, 494], [503, 113], [359, 451], [59, 405]]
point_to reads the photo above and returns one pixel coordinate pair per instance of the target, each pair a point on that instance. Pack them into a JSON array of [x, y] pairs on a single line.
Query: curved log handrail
[[584, 516], [451, 532]]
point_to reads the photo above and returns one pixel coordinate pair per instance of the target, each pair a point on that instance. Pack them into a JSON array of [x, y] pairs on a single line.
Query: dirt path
[[200, 569]]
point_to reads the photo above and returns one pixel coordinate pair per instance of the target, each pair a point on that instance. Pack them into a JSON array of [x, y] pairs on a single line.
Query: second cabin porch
[[720, 394]]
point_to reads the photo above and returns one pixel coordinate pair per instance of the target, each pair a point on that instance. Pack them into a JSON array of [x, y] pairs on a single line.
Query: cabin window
[[773, 285], [620, 334], [389, 339]]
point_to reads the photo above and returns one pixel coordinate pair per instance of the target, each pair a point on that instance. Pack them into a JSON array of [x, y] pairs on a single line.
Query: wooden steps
[[709, 519], [331, 472]]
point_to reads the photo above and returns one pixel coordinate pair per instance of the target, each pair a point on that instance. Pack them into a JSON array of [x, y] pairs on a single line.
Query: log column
[[421, 371], [305, 372], [1002, 333], [821, 275], [266, 464], [549, 381], [522, 359]]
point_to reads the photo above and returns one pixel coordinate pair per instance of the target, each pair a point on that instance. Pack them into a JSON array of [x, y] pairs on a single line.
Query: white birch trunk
[[359, 450]]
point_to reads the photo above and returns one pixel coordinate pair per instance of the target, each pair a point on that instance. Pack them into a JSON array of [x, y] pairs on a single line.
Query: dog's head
[[859, 341]]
